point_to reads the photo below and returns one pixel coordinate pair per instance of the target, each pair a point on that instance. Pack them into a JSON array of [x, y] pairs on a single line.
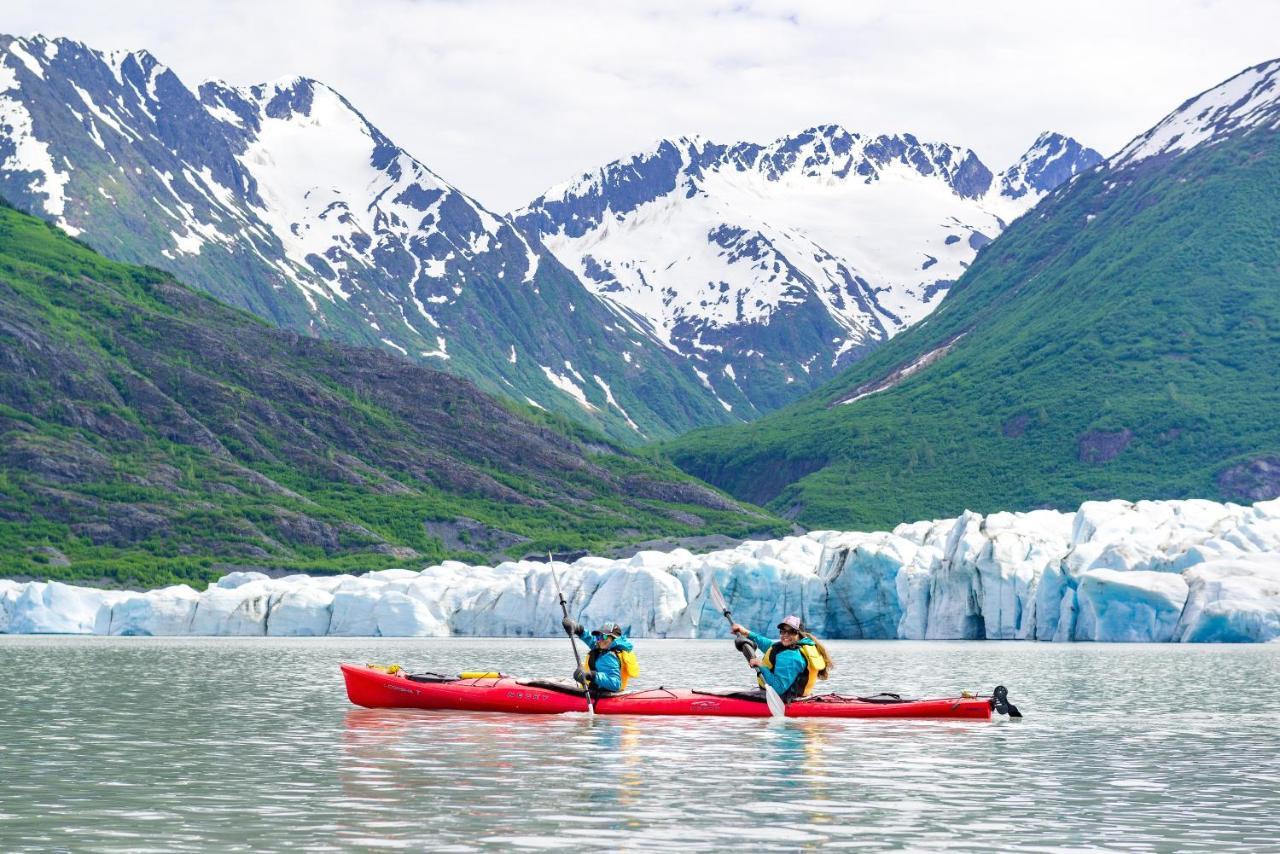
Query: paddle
[[564, 609], [777, 708]]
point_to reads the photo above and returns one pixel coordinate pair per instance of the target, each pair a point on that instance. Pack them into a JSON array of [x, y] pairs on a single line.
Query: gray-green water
[[200, 744]]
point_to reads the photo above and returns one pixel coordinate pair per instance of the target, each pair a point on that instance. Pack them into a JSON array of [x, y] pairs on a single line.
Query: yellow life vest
[[813, 660], [629, 665]]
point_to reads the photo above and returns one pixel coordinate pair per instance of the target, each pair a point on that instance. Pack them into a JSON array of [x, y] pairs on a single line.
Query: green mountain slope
[[148, 432], [1120, 340]]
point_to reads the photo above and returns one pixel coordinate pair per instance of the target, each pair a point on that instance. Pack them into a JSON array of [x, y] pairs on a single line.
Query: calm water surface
[[200, 744]]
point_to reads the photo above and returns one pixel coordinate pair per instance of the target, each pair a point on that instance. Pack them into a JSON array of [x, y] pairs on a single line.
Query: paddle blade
[[718, 599], [777, 708], [552, 564]]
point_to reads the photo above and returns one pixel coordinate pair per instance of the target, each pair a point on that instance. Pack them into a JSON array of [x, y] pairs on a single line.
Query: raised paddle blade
[[551, 564], [718, 599]]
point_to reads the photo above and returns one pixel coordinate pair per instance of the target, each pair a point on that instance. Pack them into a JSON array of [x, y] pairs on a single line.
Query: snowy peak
[[831, 152], [1249, 100], [54, 90], [1052, 160], [578, 206], [772, 266], [824, 153]]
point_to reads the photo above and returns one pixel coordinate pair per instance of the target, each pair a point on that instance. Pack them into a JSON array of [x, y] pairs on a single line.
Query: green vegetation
[[150, 434], [1119, 341]]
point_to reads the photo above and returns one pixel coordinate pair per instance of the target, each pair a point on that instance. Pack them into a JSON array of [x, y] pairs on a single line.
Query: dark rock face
[[297, 529], [1016, 426], [463, 534], [1255, 480], [641, 486], [51, 556], [623, 186], [1100, 446], [55, 460]]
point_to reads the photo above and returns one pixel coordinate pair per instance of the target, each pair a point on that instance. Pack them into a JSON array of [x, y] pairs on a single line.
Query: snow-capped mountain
[[1248, 101], [283, 199], [772, 267]]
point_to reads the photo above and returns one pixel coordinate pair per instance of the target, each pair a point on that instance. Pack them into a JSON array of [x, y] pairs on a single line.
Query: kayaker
[[793, 663], [611, 660]]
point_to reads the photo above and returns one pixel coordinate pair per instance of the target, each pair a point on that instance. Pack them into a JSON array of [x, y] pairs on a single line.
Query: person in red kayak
[[793, 663], [611, 660]]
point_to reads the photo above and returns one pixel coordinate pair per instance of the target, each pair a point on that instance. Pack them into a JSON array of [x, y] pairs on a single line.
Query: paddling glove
[[571, 627]]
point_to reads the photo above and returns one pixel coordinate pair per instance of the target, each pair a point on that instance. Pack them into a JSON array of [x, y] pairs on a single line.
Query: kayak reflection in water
[[611, 661], [793, 663]]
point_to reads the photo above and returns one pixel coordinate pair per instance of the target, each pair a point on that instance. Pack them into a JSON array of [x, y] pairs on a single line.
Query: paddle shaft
[[776, 707], [564, 609], [744, 645]]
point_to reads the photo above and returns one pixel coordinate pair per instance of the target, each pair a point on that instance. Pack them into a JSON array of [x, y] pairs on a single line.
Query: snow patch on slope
[[568, 386], [1250, 99], [30, 154]]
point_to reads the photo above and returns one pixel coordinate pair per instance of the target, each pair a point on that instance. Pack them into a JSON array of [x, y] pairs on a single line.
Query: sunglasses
[[788, 632]]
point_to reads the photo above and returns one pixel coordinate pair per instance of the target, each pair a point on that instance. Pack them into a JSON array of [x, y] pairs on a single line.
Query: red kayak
[[375, 688]]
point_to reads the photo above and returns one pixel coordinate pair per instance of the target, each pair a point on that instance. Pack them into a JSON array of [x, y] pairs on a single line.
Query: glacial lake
[[155, 744]]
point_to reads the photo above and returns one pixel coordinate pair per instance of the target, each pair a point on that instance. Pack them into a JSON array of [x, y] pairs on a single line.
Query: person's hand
[[571, 627], [755, 662], [739, 629]]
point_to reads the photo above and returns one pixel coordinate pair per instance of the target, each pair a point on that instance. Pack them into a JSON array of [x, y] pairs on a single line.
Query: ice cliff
[[1113, 571]]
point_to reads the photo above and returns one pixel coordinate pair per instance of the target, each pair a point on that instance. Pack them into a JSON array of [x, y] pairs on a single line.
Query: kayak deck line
[[374, 688]]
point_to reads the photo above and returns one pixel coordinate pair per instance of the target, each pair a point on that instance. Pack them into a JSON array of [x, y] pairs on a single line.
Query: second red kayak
[[375, 688]]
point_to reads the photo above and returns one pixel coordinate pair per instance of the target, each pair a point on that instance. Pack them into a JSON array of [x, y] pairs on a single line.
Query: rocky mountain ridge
[[773, 267], [284, 199]]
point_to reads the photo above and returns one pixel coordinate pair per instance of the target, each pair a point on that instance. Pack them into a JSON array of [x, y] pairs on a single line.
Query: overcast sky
[[505, 98]]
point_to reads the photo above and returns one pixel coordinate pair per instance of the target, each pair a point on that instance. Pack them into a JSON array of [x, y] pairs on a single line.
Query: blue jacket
[[606, 673], [787, 664]]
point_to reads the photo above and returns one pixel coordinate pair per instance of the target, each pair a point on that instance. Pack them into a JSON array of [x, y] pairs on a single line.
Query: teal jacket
[[789, 666], [606, 669]]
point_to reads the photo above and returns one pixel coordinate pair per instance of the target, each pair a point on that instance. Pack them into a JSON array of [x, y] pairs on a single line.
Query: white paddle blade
[[552, 564], [716, 598], [777, 708]]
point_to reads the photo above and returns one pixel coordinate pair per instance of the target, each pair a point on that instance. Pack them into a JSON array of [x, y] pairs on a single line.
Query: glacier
[[1151, 571]]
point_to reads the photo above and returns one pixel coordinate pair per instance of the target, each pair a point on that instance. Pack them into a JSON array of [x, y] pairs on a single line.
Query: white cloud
[[507, 97]]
